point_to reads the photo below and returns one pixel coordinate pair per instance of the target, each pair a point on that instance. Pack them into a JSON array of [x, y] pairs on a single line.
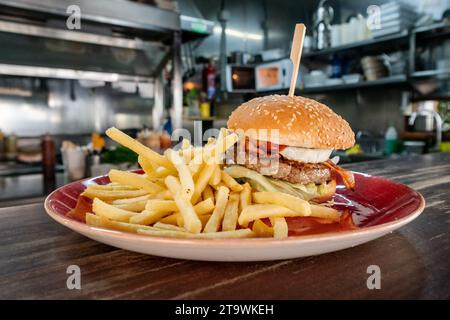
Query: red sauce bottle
[[48, 156]]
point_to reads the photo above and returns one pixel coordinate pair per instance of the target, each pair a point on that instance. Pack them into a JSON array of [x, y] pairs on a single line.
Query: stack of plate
[[395, 17], [373, 68]]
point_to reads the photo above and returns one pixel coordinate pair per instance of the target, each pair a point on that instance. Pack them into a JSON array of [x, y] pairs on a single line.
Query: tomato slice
[[83, 206], [263, 149]]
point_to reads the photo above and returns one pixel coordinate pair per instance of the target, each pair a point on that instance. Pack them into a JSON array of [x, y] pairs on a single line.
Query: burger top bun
[[301, 122]]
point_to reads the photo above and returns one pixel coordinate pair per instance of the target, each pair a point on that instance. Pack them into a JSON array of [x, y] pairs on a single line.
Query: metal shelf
[[431, 73], [432, 27], [369, 45], [393, 80]]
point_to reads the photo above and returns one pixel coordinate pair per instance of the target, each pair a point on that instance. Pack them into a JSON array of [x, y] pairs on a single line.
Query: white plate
[[400, 204]]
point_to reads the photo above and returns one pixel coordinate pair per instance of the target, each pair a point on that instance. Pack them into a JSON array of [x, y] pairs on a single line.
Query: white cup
[[74, 160]]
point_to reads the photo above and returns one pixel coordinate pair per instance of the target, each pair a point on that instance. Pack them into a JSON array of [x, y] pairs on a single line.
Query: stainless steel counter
[[29, 188]]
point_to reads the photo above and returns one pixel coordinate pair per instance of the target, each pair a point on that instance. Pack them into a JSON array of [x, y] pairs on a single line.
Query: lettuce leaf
[[263, 183]]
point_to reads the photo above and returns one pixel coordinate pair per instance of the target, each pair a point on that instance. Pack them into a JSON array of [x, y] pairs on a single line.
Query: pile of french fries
[[186, 193]]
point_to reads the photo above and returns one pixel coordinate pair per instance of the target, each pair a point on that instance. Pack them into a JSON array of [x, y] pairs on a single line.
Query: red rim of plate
[[64, 220]]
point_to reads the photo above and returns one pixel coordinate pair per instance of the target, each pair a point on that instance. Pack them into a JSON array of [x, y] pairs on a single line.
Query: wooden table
[[415, 261]]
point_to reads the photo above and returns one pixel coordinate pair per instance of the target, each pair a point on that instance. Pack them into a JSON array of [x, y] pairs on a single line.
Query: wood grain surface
[[35, 252]]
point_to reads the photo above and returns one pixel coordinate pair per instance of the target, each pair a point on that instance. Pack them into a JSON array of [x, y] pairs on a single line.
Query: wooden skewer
[[296, 54]]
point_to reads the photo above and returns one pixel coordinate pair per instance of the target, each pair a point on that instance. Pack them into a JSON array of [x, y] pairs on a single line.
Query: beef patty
[[293, 171]]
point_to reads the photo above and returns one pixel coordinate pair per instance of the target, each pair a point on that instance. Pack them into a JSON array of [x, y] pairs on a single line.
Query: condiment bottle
[[48, 156]]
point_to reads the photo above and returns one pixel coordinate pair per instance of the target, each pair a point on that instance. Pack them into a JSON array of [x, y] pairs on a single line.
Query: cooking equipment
[[322, 25], [274, 75], [430, 116], [240, 78]]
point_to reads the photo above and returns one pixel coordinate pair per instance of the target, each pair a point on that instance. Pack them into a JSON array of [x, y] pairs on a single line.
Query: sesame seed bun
[[301, 122]]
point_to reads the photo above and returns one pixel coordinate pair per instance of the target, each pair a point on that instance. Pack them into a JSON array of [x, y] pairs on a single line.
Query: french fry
[[231, 183], [280, 227], [191, 221], [164, 195], [197, 160], [212, 152], [186, 151], [208, 193], [237, 234], [187, 183], [216, 218], [131, 200], [134, 145], [202, 181], [173, 185], [161, 205], [111, 212], [185, 144], [220, 147], [204, 207], [259, 211], [186, 155], [231, 213], [161, 172], [219, 185], [159, 182], [111, 187], [172, 219], [245, 197], [283, 199], [164, 226], [241, 233], [136, 206], [204, 219], [109, 195], [180, 222], [146, 165], [261, 229], [216, 176], [135, 180], [102, 222], [324, 212], [148, 217]]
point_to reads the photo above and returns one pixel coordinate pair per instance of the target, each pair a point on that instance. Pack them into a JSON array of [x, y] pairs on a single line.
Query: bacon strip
[[263, 149], [346, 176]]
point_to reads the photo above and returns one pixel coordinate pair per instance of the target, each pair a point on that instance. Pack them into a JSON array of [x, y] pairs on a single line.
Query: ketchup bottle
[[48, 157]]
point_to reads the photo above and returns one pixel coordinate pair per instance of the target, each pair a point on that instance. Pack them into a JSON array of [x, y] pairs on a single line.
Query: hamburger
[[307, 132]]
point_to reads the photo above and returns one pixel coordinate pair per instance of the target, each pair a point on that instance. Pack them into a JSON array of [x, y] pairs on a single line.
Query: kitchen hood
[[119, 40]]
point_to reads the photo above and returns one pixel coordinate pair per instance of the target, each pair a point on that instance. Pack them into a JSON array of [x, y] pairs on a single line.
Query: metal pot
[[424, 123]]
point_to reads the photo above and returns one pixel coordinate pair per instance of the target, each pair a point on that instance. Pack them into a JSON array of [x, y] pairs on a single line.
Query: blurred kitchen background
[[150, 67]]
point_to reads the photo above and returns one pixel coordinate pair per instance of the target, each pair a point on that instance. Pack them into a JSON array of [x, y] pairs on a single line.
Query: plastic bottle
[[336, 67], [390, 140]]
